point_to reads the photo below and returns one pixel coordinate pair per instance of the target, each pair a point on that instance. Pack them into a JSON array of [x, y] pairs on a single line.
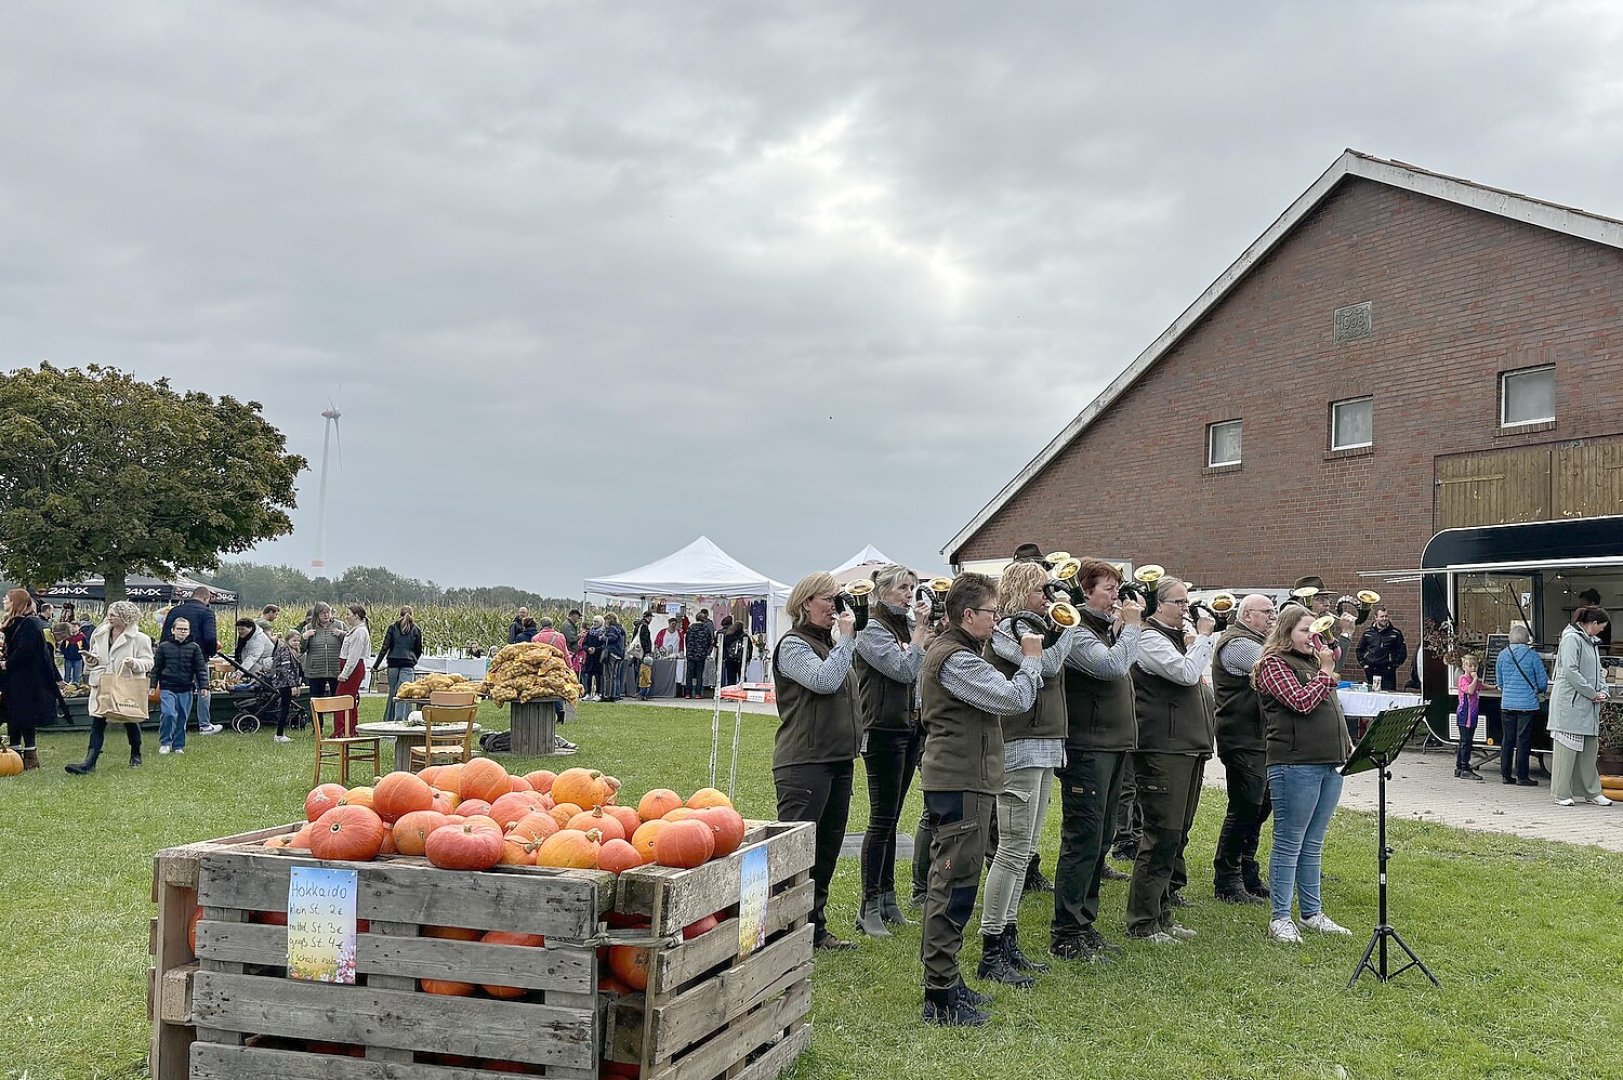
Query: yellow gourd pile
[[531, 670]]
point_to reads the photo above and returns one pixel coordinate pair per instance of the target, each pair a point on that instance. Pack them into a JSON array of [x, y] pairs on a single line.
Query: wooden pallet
[[707, 1013]]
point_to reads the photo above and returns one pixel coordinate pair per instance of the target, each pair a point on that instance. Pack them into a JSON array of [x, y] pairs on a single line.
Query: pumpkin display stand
[[548, 1009], [534, 727]]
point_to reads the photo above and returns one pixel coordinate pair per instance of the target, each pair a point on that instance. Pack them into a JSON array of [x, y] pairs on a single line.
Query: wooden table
[[407, 735]]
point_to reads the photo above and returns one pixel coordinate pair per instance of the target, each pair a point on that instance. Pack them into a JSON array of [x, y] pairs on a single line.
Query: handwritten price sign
[[321, 925]]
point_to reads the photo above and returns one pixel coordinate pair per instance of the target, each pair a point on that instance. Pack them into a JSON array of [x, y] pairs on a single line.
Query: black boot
[[1035, 882], [996, 966], [86, 766], [30, 757], [949, 1008], [870, 919], [1011, 949], [135, 757], [890, 912], [1251, 874]]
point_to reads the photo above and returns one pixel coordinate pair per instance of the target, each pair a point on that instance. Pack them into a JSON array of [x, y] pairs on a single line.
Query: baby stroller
[[258, 697]]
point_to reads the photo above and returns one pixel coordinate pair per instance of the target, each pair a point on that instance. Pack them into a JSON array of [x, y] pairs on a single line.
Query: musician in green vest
[[1242, 747], [1175, 737], [962, 774], [1101, 733], [818, 734]]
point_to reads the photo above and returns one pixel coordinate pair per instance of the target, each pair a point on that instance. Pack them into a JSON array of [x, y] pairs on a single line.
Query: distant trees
[[256, 585]]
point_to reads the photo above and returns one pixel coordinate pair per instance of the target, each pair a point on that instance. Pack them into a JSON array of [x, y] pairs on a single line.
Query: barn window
[[1352, 424], [1527, 397], [1223, 443]]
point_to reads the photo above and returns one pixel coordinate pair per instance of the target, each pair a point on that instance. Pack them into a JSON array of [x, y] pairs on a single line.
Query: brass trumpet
[[935, 591], [1361, 603], [1218, 607], [1057, 617], [855, 597], [1062, 576], [1142, 587], [1320, 627]]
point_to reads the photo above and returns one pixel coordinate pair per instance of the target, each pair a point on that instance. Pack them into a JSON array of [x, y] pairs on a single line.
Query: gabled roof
[[1351, 163]]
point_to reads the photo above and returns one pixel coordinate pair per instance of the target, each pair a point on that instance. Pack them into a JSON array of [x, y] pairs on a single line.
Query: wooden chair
[[446, 707], [342, 751]]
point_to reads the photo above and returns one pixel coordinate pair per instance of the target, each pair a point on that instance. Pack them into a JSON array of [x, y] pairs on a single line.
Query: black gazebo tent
[[142, 590]]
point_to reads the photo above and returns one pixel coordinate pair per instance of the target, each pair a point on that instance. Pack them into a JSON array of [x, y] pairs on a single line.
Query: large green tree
[[103, 473]]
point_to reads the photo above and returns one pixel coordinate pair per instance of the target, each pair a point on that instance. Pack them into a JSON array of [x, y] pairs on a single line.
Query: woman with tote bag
[[117, 665]]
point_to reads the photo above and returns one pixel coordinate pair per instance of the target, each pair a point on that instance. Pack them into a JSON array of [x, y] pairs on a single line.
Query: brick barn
[[1399, 353]]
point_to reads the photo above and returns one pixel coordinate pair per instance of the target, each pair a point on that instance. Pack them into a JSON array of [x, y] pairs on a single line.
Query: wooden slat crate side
[[674, 968], [398, 1019], [711, 1005], [561, 904], [772, 1064], [716, 1057], [174, 994], [178, 865], [677, 898], [214, 1062], [550, 968]]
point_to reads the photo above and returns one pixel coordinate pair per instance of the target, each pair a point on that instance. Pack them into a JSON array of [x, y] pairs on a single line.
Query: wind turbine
[[331, 415]]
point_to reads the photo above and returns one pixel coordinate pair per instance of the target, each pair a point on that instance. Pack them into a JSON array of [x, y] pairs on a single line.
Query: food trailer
[[1476, 583]]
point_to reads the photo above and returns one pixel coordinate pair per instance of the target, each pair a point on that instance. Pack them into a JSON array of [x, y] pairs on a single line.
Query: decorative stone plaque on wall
[[1354, 323]]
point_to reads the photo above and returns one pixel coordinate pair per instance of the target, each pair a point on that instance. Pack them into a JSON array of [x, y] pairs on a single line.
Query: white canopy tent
[[700, 569], [868, 556]]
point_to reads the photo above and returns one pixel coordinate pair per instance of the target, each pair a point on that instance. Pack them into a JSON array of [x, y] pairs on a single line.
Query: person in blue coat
[[1522, 684]]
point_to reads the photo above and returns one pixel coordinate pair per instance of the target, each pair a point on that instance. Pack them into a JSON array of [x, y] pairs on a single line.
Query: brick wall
[[1458, 296]]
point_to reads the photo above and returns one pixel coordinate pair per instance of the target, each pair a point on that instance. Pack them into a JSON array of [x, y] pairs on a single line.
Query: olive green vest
[[1315, 738], [1172, 719], [882, 702], [1100, 713], [812, 727], [1239, 714], [1046, 717], [963, 745]]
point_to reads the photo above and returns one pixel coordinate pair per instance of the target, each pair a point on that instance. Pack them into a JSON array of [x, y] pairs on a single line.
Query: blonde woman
[[818, 735], [118, 647]]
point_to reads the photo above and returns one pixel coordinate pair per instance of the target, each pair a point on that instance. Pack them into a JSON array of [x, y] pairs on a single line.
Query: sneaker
[[1564, 802], [1601, 800], [166, 749], [1182, 933], [209, 729], [1472, 774], [180, 749], [562, 745], [1323, 924], [1529, 782], [281, 738], [1284, 930], [829, 943], [1157, 938]]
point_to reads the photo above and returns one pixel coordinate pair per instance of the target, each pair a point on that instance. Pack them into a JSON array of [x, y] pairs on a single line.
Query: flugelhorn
[[935, 591], [1360, 603], [1218, 607], [855, 597], [1320, 627], [1062, 576], [1063, 614], [1142, 587]]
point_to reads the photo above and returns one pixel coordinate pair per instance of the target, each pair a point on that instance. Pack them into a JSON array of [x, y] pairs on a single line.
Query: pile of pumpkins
[[476, 816]]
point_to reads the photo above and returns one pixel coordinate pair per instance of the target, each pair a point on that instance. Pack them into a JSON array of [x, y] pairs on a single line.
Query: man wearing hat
[[1030, 553], [1310, 593]]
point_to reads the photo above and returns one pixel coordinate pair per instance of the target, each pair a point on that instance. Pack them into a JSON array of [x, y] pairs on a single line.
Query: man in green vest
[[1175, 737], [961, 774], [1242, 747]]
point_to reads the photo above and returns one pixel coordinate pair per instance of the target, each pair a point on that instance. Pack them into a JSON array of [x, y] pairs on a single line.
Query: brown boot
[[30, 758]]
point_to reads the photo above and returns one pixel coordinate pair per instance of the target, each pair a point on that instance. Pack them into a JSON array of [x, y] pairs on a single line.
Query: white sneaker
[[1323, 924], [1182, 933], [180, 750], [1564, 802], [280, 738], [1284, 930], [164, 749], [210, 729], [1158, 938], [1601, 800]]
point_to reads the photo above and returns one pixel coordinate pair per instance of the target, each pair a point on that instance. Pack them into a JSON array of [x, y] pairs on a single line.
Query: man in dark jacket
[[516, 630], [200, 617], [701, 639], [1382, 650]]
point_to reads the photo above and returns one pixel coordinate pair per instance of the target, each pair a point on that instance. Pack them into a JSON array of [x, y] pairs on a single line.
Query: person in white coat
[[117, 647], [1577, 691]]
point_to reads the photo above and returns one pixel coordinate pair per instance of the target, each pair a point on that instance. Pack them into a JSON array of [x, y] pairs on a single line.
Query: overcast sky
[[590, 279]]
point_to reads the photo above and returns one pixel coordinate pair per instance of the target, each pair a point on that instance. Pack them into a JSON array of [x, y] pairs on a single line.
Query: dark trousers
[[1517, 738], [921, 849], [889, 757], [1168, 794], [693, 678], [1089, 789], [1235, 864], [98, 735], [1389, 677], [822, 793], [959, 822], [1129, 816], [732, 672], [323, 687], [1462, 757], [284, 707]]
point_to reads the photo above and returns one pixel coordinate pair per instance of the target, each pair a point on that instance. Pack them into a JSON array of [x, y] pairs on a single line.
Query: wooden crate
[[706, 1012]]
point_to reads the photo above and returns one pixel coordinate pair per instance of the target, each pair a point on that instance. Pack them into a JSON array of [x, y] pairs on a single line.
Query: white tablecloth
[[471, 669], [1367, 703]]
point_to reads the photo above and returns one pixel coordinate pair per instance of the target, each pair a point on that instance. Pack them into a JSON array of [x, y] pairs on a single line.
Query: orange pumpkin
[[622, 1068], [191, 928], [513, 806], [611, 789], [518, 783], [657, 803], [703, 926], [727, 824], [617, 856], [445, 802], [682, 813], [569, 848], [269, 918], [684, 844], [388, 847], [401, 793], [609, 984], [301, 839], [708, 796], [509, 937], [536, 826], [357, 796], [412, 831], [583, 787], [11, 763], [607, 824], [518, 851], [453, 933], [446, 987], [449, 778], [630, 965], [482, 819], [276, 843], [541, 779], [347, 834], [562, 812], [469, 846], [470, 807], [629, 821], [322, 797], [484, 779], [431, 775], [643, 838]]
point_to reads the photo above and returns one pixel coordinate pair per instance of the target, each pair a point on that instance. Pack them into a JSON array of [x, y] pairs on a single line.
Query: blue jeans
[[173, 709], [392, 708], [203, 720], [693, 679], [1304, 798], [73, 670]]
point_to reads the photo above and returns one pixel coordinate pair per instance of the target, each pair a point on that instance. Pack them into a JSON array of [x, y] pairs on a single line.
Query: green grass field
[[1524, 935]]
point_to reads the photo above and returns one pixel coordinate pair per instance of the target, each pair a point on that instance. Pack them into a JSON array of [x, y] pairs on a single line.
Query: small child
[[286, 674], [1469, 687]]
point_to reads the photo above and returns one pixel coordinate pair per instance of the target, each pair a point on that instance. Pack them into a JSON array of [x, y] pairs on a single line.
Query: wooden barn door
[[1496, 487]]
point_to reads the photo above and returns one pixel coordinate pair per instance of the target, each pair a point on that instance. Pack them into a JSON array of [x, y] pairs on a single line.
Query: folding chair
[[342, 751], [446, 707]]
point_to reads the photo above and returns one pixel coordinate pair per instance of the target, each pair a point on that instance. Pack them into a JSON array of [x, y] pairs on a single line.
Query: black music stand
[[1377, 750]]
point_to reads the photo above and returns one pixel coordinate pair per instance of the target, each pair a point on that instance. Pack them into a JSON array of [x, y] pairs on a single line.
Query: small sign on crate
[[321, 925], [754, 889]]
